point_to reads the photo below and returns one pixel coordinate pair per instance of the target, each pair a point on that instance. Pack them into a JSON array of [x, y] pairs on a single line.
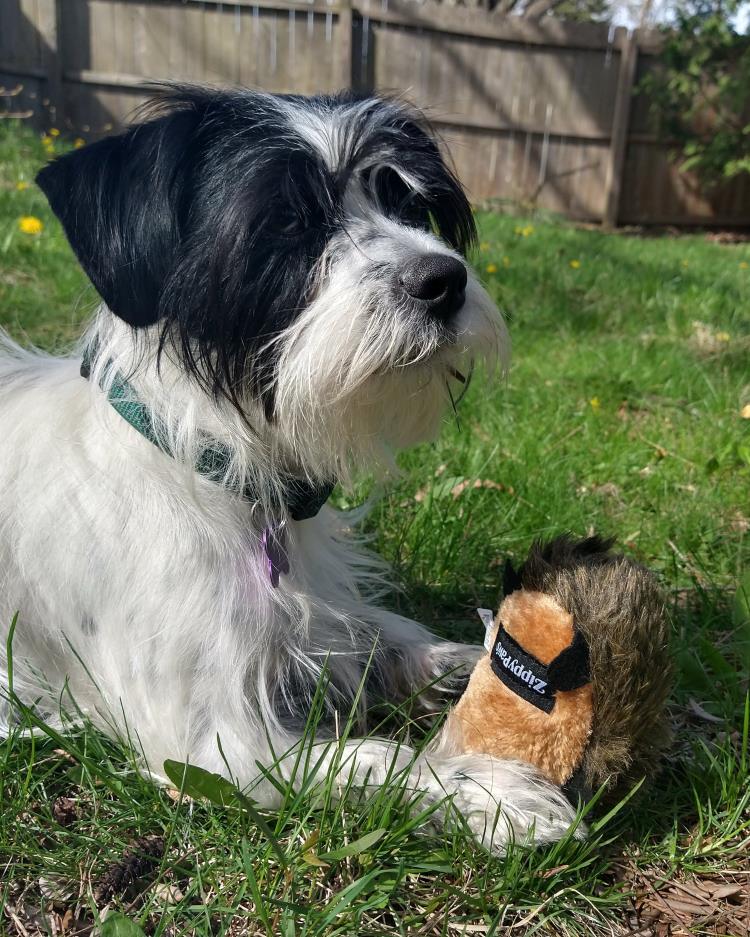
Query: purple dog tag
[[277, 559]]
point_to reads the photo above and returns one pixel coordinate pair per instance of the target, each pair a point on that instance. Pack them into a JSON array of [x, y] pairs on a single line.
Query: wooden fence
[[542, 113]]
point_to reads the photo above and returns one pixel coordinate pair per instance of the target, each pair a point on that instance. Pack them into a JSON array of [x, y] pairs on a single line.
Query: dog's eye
[[286, 221], [395, 198]]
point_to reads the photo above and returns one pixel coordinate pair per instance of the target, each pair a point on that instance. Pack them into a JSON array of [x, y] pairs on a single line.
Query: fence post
[[346, 44], [620, 121], [51, 34]]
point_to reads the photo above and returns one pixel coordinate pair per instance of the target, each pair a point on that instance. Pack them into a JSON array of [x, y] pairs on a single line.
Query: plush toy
[[578, 669]]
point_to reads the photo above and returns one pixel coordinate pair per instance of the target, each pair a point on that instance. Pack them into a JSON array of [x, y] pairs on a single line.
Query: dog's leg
[[451, 664], [416, 664], [440, 672], [501, 802]]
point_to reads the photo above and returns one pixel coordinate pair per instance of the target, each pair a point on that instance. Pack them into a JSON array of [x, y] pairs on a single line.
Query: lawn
[[626, 410]]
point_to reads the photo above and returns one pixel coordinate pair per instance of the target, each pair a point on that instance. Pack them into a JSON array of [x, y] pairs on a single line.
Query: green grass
[[620, 414]]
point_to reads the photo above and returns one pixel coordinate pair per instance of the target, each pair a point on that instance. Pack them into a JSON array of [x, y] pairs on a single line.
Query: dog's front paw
[[506, 802], [448, 667]]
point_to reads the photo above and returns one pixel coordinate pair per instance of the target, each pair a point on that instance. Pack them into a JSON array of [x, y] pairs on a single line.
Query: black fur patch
[[211, 215]]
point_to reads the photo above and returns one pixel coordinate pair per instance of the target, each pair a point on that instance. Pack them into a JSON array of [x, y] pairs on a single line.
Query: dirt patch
[[714, 903]]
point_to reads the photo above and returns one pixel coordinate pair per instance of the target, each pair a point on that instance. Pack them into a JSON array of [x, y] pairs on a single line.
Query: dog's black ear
[[119, 201]]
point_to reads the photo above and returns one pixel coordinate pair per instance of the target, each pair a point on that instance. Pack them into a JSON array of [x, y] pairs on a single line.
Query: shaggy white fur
[[142, 588]]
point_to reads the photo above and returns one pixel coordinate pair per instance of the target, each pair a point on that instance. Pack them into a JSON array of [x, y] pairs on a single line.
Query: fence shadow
[[33, 68]]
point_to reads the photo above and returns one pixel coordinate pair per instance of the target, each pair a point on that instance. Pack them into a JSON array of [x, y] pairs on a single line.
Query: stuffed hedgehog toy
[[578, 669]]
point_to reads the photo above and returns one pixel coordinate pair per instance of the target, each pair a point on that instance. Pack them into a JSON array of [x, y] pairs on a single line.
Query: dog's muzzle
[[438, 282]]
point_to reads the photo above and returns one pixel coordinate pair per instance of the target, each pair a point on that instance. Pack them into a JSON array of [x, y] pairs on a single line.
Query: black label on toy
[[520, 672]]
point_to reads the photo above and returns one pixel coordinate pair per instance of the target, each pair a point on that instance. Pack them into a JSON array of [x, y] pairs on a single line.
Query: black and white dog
[[285, 301]]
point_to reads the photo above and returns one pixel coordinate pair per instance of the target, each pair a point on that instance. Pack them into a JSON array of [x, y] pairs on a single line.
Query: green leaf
[[712, 465], [693, 673], [741, 604], [311, 842], [716, 660], [117, 925], [358, 846], [77, 775], [311, 859], [197, 782], [307, 851]]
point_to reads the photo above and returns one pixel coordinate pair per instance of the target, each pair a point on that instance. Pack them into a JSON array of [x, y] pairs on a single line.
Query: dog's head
[[304, 258]]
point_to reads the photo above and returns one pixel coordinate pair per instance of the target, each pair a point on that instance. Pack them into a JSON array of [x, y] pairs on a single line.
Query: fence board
[[533, 112]]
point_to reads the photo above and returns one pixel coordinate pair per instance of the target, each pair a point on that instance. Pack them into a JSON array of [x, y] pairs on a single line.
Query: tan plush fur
[[613, 729], [490, 719], [619, 608]]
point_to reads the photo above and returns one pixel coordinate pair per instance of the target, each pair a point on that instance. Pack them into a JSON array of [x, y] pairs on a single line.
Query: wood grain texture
[[546, 113]]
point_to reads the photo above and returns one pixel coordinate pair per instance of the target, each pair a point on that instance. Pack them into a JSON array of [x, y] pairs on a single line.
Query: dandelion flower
[[54, 132], [575, 265], [506, 262], [30, 225], [491, 268], [484, 246], [22, 185], [529, 229], [595, 403], [723, 336], [744, 265], [47, 140], [79, 142], [685, 263]]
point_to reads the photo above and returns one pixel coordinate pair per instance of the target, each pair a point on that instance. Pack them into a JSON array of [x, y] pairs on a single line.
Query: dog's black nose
[[439, 281]]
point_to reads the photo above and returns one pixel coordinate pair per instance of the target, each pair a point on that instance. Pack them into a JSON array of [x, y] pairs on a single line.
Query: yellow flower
[[524, 231], [575, 264], [685, 263], [484, 246], [595, 403], [723, 336], [21, 185], [506, 261], [54, 132], [491, 268], [744, 265], [47, 140], [79, 142], [30, 225]]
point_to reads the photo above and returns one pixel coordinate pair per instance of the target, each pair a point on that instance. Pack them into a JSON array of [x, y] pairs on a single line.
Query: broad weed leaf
[[117, 925], [358, 846], [197, 782]]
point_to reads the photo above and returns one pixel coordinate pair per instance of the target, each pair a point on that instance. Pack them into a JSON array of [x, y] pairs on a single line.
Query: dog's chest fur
[[160, 588]]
